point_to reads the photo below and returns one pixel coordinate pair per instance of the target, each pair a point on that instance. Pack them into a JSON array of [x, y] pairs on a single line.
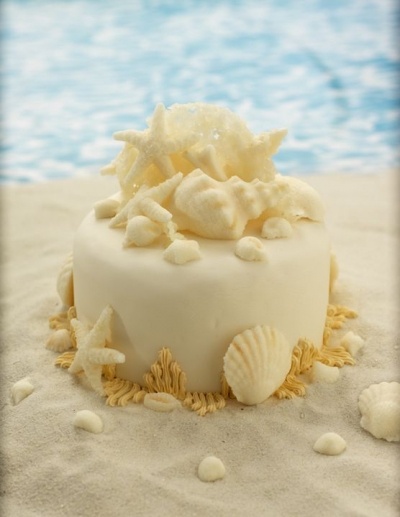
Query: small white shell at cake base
[[59, 341], [379, 405], [276, 228], [181, 251], [321, 372], [161, 402], [256, 363], [251, 249], [65, 282], [352, 342]]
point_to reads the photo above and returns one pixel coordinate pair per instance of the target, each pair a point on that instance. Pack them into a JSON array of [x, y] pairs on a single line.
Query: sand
[[145, 463]]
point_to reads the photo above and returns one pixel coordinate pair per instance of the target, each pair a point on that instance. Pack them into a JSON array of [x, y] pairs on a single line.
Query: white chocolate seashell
[[276, 228], [211, 469], [256, 363], [65, 282], [323, 373], [141, 231], [106, 208], [21, 390], [59, 341], [380, 409], [250, 249], [162, 402], [331, 444], [88, 421], [352, 342], [300, 201], [181, 251]]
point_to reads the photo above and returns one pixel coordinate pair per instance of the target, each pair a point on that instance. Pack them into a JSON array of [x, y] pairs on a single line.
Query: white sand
[[145, 463]]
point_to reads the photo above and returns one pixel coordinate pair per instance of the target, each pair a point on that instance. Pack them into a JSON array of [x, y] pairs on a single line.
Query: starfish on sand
[[155, 146], [92, 354]]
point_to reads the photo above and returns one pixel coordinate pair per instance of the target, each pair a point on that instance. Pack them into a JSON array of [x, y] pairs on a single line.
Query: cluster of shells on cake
[[198, 169]]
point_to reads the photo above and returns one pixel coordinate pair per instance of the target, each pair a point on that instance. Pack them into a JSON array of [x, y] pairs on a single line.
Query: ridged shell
[[380, 409], [256, 363], [65, 283]]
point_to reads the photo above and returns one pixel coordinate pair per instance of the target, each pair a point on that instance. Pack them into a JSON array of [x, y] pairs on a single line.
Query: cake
[[206, 277]]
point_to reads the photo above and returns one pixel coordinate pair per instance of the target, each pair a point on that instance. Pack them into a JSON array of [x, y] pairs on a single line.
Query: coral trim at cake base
[[166, 375]]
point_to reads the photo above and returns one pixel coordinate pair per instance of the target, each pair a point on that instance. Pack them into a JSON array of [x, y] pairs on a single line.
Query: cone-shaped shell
[[256, 363], [380, 409]]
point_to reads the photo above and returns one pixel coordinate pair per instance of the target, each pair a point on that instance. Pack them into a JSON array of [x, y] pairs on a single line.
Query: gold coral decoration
[[166, 375], [306, 353]]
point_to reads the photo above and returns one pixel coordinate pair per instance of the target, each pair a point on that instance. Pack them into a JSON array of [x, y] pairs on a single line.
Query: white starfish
[[91, 354], [154, 145], [137, 205]]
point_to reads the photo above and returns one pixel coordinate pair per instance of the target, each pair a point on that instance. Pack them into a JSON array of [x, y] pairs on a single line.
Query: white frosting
[[196, 309]]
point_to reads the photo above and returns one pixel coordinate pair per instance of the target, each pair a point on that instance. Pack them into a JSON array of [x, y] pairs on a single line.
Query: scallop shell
[[21, 390], [256, 363], [59, 341], [65, 282], [380, 409]]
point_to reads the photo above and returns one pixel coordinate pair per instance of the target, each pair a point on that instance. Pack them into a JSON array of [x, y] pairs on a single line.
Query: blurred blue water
[[73, 72]]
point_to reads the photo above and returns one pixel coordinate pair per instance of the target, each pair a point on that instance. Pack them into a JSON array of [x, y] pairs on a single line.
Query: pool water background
[[74, 72]]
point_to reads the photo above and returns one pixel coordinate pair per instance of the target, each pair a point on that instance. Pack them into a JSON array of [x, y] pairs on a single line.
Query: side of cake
[[207, 275]]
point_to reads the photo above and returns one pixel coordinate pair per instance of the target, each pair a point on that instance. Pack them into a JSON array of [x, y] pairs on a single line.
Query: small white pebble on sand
[[330, 444], [21, 390], [88, 421], [211, 469]]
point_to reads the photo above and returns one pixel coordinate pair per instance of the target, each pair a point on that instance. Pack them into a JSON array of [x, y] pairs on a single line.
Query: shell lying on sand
[[59, 341], [65, 283], [211, 468], [380, 409], [162, 402], [331, 444], [256, 363], [21, 390], [88, 421]]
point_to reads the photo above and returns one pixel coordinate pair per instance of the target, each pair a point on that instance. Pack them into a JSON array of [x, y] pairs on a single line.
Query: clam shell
[[256, 363], [380, 409], [65, 282]]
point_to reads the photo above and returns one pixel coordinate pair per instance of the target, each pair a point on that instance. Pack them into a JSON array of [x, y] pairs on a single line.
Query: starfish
[[154, 145], [91, 354]]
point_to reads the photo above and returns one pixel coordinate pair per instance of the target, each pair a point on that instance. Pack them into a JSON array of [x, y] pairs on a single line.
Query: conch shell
[[256, 363]]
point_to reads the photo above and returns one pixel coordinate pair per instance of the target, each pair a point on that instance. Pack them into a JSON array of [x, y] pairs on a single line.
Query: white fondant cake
[[205, 253], [197, 309]]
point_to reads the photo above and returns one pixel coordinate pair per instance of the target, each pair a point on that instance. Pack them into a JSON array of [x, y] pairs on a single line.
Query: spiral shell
[[380, 409], [256, 363], [65, 282]]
